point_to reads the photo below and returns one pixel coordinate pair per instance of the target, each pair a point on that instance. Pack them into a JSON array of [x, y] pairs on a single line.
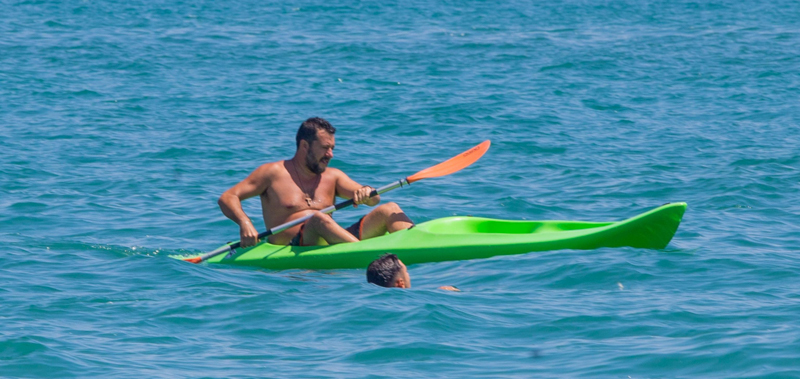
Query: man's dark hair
[[308, 129], [383, 270]]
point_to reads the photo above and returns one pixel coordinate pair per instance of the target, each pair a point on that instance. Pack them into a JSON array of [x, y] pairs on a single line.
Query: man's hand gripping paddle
[[447, 167]]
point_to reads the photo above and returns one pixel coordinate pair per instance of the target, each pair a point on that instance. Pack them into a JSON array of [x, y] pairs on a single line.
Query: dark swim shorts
[[354, 229]]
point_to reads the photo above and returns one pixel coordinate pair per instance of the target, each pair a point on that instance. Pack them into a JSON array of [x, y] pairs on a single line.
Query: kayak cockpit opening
[[472, 225]]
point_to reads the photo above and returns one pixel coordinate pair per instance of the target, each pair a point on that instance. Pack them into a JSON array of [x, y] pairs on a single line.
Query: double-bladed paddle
[[447, 167]]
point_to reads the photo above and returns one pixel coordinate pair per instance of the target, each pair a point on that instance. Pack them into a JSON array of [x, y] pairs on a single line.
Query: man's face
[[404, 275], [320, 152]]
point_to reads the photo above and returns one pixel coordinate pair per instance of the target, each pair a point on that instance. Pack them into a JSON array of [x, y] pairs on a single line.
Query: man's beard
[[313, 164]]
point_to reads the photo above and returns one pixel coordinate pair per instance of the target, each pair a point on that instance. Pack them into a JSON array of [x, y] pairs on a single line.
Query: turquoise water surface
[[122, 122]]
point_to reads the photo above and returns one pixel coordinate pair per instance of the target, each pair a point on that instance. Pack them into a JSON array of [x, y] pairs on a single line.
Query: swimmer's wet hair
[[384, 270]]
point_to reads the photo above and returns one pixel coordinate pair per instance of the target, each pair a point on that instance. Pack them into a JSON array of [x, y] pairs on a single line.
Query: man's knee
[[321, 219], [389, 208]]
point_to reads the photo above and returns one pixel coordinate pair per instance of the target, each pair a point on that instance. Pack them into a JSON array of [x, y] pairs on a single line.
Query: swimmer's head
[[388, 271]]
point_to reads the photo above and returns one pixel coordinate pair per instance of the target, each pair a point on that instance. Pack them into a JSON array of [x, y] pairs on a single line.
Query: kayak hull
[[462, 238]]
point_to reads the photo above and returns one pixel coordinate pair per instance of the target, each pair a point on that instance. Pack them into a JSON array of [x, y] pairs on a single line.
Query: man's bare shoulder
[[334, 172], [270, 167], [269, 170]]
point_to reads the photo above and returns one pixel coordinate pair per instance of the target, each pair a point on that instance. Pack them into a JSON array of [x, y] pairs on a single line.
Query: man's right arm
[[231, 202]]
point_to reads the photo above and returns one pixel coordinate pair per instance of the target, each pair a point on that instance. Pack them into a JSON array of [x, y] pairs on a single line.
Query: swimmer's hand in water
[[449, 288]]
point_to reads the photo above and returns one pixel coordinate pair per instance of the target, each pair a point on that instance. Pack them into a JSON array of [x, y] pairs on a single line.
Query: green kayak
[[460, 238]]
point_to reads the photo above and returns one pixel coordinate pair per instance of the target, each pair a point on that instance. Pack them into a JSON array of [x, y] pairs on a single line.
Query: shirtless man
[[291, 189]]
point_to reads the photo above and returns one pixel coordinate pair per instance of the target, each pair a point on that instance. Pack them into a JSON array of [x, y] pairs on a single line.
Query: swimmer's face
[[403, 280]]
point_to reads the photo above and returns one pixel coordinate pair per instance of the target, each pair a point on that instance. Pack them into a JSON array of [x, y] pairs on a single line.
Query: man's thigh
[[324, 233]]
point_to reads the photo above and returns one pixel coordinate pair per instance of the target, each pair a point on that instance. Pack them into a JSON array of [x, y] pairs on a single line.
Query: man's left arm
[[347, 188]]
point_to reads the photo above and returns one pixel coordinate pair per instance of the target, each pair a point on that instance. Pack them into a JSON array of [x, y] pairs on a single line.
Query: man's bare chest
[[291, 196]]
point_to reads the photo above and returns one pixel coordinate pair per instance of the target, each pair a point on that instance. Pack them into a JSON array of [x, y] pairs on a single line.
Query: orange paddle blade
[[453, 164]]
